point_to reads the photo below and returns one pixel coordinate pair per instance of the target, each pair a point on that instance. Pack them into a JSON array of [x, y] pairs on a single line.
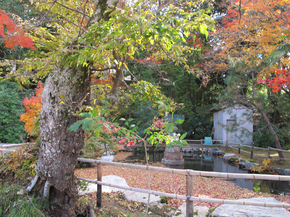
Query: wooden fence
[[11, 147], [237, 146], [189, 184]]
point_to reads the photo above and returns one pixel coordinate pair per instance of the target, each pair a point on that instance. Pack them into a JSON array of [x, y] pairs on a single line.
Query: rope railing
[[189, 182]]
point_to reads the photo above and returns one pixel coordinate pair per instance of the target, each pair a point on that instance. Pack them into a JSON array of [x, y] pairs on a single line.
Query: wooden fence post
[[239, 148], [269, 150], [252, 152], [201, 142], [226, 145], [189, 193], [99, 187]]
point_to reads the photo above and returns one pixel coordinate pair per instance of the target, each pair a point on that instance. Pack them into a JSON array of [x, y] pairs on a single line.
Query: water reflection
[[216, 164]]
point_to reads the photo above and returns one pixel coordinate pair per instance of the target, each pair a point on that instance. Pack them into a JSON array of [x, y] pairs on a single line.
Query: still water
[[216, 164]]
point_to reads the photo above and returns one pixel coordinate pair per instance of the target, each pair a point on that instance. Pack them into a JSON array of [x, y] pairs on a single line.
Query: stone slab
[[249, 165], [198, 211], [112, 179], [128, 195], [228, 210], [229, 155], [109, 158], [141, 197]]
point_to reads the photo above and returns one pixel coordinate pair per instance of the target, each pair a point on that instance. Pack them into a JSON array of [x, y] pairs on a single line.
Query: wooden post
[[201, 142], [189, 193], [226, 145], [252, 152], [239, 148], [269, 150], [99, 187]]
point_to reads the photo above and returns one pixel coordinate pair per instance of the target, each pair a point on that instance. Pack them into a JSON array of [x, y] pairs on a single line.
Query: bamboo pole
[[194, 172], [239, 149], [99, 187], [189, 193], [226, 145], [199, 199]]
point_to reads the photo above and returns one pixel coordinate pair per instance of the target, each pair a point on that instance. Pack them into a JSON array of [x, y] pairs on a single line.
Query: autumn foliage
[[278, 82], [250, 31], [13, 35], [32, 108]]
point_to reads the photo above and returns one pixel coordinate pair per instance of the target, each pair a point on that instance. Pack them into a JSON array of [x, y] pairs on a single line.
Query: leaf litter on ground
[[174, 183]]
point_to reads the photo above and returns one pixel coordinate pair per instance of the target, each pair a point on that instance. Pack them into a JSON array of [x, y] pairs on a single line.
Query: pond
[[216, 164]]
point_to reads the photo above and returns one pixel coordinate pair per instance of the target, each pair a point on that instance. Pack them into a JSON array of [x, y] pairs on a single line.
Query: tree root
[[33, 183], [34, 180], [46, 189]]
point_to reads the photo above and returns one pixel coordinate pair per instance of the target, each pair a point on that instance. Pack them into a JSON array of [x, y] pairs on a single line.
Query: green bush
[[11, 128]]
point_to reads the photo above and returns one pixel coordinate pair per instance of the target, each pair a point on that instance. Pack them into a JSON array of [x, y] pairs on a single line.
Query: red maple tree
[[32, 108], [12, 34]]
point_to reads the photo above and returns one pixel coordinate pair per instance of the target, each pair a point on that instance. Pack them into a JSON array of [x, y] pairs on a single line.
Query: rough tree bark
[[65, 91], [59, 148]]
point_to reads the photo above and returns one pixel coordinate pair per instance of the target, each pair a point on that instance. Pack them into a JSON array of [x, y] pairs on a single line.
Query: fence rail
[[11, 147], [189, 184], [233, 145]]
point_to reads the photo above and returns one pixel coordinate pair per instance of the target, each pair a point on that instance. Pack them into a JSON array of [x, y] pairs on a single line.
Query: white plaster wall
[[244, 128]]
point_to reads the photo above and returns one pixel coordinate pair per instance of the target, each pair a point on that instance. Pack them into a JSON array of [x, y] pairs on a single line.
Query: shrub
[[31, 116], [11, 128], [19, 166]]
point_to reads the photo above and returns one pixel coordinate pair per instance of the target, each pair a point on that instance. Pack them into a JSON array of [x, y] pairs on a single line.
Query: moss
[[164, 199], [250, 160]]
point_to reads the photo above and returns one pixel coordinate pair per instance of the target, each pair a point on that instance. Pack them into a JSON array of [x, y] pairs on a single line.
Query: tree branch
[[72, 9], [72, 22], [76, 115], [84, 11], [263, 128], [101, 70]]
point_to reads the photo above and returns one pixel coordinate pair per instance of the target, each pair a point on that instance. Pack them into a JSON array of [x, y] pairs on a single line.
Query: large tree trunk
[[59, 148]]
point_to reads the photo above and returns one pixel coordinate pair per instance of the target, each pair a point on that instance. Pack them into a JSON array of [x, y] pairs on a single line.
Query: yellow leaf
[[62, 97]]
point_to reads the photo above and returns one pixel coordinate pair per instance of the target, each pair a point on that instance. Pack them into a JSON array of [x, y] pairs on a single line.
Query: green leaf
[[178, 121], [94, 113], [203, 29], [105, 102], [169, 128], [186, 33], [183, 136], [86, 115], [87, 124], [122, 119], [75, 126]]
